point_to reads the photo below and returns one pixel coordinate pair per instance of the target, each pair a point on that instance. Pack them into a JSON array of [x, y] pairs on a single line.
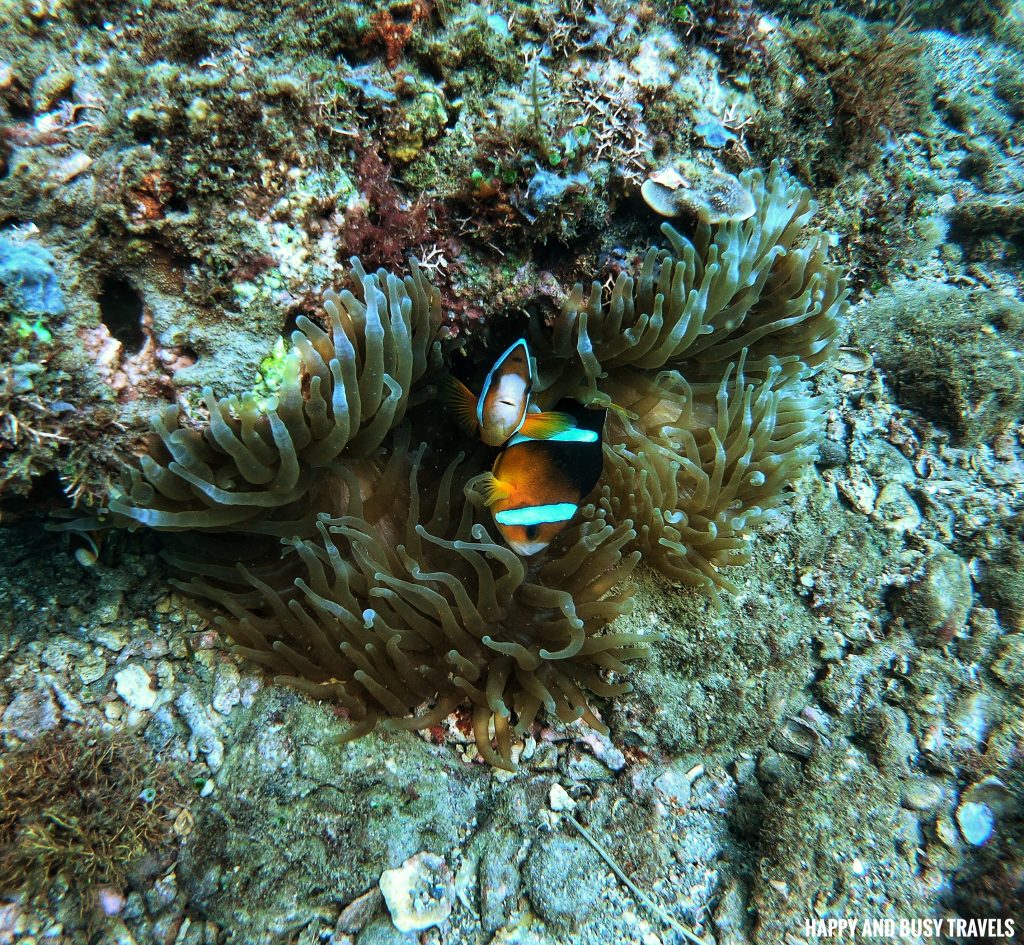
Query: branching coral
[[403, 613]]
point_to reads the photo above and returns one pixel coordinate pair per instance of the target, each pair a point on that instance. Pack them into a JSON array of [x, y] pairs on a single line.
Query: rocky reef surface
[[841, 737]]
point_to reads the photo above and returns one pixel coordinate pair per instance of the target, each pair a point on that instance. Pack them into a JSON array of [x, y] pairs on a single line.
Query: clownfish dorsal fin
[[492, 489], [543, 426], [462, 400]]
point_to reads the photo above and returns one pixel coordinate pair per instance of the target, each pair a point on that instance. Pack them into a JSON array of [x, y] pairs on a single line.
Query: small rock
[[53, 85], [1009, 665], [111, 900], [31, 713], [73, 166], [851, 360], [110, 637], [226, 693], [922, 794], [832, 454], [204, 736], [945, 833], [676, 784], [775, 768], [582, 766], [559, 799], [382, 932], [161, 728], [135, 686], [420, 893], [545, 757], [499, 880], [162, 894], [859, 489], [976, 822], [547, 189], [970, 716], [358, 912], [164, 605], [936, 605], [91, 667], [604, 750], [184, 823], [27, 271], [896, 511], [563, 880]]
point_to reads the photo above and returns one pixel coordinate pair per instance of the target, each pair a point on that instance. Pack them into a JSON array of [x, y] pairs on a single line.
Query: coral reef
[[338, 394], [298, 870], [385, 606], [851, 87], [190, 176]]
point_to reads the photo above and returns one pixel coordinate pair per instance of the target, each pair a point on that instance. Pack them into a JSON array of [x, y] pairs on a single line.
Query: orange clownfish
[[502, 409], [536, 486]]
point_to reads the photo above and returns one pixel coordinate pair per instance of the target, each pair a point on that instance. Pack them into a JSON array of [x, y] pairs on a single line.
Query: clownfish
[[536, 486], [503, 408]]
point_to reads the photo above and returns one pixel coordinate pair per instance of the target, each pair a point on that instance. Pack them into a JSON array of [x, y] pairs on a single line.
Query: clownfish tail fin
[[543, 426], [492, 489], [462, 400]]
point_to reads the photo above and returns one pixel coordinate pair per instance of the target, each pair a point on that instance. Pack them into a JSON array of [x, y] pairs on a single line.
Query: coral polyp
[[403, 609]]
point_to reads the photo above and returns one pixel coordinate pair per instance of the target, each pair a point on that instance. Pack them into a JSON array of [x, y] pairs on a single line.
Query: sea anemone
[[763, 285], [330, 571], [390, 616]]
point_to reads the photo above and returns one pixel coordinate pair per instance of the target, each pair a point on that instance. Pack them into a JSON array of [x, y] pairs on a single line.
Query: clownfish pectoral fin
[[462, 400], [492, 489], [543, 426], [621, 412]]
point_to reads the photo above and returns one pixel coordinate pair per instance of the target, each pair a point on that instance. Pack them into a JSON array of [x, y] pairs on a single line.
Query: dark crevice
[[121, 310], [46, 494]]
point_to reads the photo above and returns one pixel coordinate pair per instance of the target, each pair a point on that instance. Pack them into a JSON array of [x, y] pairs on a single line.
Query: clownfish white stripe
[[537, 514], [489, 380], [575, 435]]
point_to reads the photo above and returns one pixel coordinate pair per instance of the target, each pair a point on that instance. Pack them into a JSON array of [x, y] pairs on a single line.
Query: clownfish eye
[[532, 531]]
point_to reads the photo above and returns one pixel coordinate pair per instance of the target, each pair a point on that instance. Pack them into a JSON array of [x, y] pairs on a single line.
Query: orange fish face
[[505, 397]]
